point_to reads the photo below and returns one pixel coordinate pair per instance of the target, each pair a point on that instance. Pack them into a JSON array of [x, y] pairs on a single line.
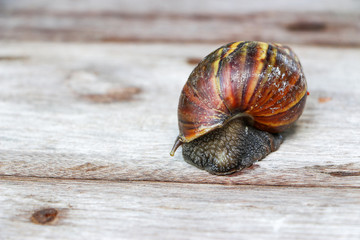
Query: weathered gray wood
[[108, 112], [74, 112], [138, 210], [301, 21]]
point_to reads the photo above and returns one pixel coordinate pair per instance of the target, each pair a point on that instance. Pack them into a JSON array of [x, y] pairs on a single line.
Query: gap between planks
[[46, 179]]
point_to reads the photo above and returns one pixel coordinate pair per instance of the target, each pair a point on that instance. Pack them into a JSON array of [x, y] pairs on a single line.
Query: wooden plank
[[108, 111], [182, 21], [183, 7], [115, 210]]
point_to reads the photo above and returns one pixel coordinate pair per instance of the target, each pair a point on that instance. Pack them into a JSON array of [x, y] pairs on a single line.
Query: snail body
[[236, 102]]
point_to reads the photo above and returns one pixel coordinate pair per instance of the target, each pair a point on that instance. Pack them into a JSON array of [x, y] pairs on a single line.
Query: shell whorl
[[264, 81]]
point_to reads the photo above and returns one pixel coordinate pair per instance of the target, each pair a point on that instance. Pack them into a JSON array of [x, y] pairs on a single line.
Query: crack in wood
[[14, 58], [36, 179], [344, 174], [302, 26], [113, 95]]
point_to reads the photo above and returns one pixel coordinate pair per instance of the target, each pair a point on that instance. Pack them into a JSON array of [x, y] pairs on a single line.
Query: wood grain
[[134, 210], [88, 102], [186, 21], [51, 128]]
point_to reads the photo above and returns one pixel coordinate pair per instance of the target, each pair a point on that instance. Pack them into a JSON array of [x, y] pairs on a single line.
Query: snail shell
[[235, 100]]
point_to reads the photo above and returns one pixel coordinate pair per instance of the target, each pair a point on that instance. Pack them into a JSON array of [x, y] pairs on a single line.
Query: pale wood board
[[87, 128], [52, 126], [139, 210], [300, 21], [69, 113]]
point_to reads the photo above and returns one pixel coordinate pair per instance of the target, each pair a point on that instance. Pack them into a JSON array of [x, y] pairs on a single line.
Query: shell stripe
[[264, 92], [243, 67], [230, 49], [267, 68], [283, 118], [227, 91], [231, 86], [224, 52], [273, 83], [258, 65], [279, 102], [216, 67]]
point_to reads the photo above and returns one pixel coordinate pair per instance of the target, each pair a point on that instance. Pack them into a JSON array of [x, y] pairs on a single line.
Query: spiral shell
[[260, 80]]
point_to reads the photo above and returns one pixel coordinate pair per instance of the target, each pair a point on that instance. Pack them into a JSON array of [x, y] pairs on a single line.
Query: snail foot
[[231, 148]]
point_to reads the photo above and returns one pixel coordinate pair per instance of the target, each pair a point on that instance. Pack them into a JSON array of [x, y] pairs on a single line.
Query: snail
[[236, 102]]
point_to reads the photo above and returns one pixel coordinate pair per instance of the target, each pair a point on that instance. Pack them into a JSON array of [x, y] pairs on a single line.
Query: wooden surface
[[54, 128], [300, 21], [58, 118], [153, 210], [87, 123]]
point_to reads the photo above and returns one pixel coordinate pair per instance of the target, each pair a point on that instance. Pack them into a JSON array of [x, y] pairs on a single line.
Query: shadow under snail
[[236, 102]]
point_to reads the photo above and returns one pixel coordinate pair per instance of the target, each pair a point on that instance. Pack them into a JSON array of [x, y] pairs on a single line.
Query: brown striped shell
[[261, 80]]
